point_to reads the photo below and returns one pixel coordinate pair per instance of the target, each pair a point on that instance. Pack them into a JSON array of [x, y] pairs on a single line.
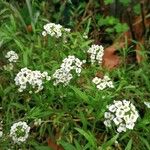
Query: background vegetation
[[72, 116]]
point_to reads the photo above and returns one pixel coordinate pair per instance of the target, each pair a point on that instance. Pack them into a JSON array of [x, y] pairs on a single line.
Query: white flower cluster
[[19, 132], [12, 56], [37, 122], [8, 67], [96, 53], [28, 77], [85, 35], [63, 74], [123, 114], [102, 83], [54, 30]]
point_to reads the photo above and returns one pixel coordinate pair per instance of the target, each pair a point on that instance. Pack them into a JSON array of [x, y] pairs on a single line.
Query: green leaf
[[29, 9], [25, 58], [108, 21], [13, 23], [121, 27], [110, 30], [43, 148], [125, 2], [78, 145], [3, 11], [7, 90], [106, 2], [146, 143], [38, 147], [19, 106], [90, 138], [137, 9], [129, 145], [83, 120], [88, 26], [19, 44], [15, 13], [67, 146], [81, 94], [110, 142], [36, 112]]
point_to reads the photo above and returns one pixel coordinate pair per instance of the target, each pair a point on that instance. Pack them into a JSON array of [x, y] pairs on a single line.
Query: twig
[[84, 15], [143, 17], [130, 23], [146, 17]]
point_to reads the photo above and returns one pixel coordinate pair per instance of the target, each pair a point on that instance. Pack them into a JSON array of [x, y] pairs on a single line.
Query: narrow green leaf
[[43, 148], [16, 13], [78, 145], [17, 105], [129, 145], [81, 94], [25, 58], [67, 146], [29, 9], [19, 44], [110, 142], [146, 143], [88, 26], [88, 136]]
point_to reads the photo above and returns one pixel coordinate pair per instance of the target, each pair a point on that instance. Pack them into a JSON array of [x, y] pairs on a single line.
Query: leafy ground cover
[[56, 92]]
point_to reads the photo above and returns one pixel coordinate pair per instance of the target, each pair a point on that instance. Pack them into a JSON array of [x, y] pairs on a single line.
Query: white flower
[[112, 108], [44, 33], [96, 53], [19, 132], [132, 107], [107, 115], [101, 86], [126, 103], [126, 118], [12, 56], [1, 126], [110, 84], [67, 30], [102, 83], [118, 104], [133, 117], [96, 80], [124, 115], [78, 63], [1, 134], [85, 36], [83, 61], [147, 104], [37, 122], [120, 113], [130, 125], [125, 108], [78, 71], [33, 78], [117, 120], [54, 30], [107, 123], [64, 73], [8, 67], [121, 128]]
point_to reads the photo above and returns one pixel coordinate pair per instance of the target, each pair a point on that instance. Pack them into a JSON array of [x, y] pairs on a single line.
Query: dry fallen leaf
[[112, 60], [53, 145]]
